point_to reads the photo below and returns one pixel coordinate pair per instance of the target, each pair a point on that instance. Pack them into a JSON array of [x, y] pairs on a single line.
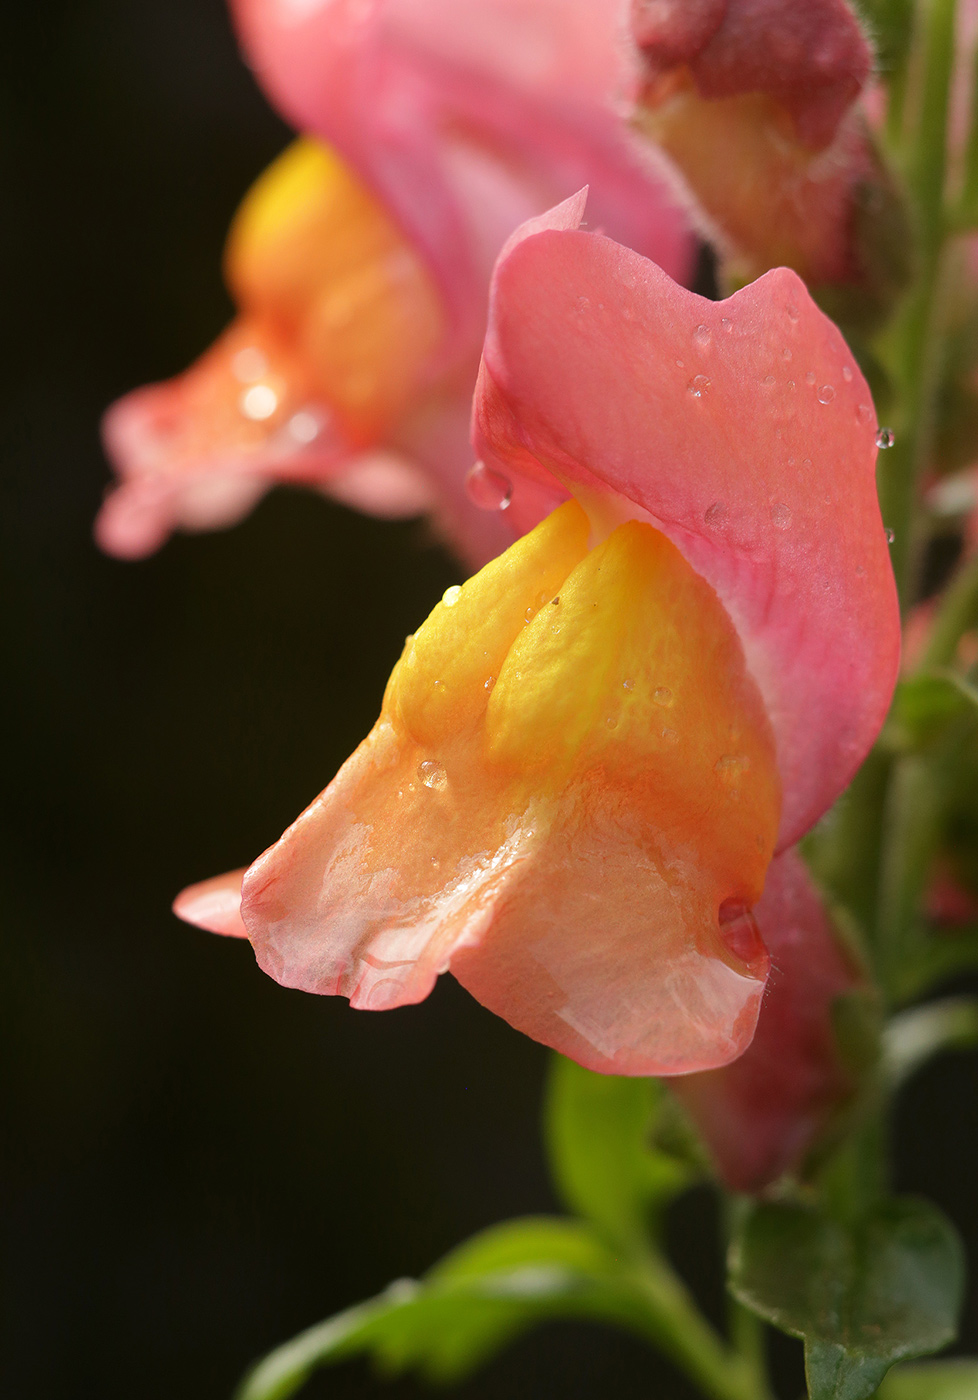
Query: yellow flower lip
[[570, 801]]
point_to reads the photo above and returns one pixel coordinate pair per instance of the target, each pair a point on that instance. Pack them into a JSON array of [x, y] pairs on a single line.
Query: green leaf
[[936, 1380], [599, 1136], [476, 1300], [915, 1036], [861, 1298], [925, 705]]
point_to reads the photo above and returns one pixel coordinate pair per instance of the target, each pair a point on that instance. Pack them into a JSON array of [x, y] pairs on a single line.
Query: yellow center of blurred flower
[[316, 263]]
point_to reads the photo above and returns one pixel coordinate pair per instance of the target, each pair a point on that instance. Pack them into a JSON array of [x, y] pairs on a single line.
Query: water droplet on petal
[[810, 377], [490, 681], [702, 336], [662, 695], [451, 595], [792, 312], [715, 514], [670, 736], [791, 383], [611, 722], [304, 426], [807, 462], [739, 931], [681, 364], [885, 439], [781, 516], [726, 323], [488, 489], [890, 535], [786, 354], [847, 374], [698, 385], [768, 381], [628, 685], [864, 413], [827, 393], [731, 766], [259, 402], [432, 775]]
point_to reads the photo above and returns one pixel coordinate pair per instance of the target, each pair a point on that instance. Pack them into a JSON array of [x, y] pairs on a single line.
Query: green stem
[[684, 1334], [914, 343], [958, 612]]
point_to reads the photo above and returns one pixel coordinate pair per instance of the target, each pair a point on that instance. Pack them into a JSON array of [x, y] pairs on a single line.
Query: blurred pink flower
[[445, 126], [574, 789]]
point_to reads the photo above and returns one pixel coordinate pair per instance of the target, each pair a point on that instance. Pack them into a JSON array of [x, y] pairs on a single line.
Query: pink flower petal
[[413, 91], [761, 1115], [742, 429], [214, 905]]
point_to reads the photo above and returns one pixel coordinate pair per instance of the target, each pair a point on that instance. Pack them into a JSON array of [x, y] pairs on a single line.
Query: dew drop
[[528, 616], [732, 766], [885, 439], [890, 535], [490, 681], [304, 426], [739, 931], [768, 381], [810, 377], [670, 736], [488, 489], [792, 313], [781, 516], [827, 393], [611, 722], [726, 323], [432, 775], [864, 413], [715, 514], [662, 695], [681, 364], [807, 462], [786, 354], [702, 336], [628, 685], [698, 385], [451, 595], [259, 402], [847, 374]]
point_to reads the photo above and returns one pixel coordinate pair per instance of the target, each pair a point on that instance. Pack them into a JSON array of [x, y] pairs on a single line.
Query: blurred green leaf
[[473, 1302], [935, 957], [935, 1380], [915, 1036], [599, 1132], [925, 705], [861, 1298], [485, 1293]]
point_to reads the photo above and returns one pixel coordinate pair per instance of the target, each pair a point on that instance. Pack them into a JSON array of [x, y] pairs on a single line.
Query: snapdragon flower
[[360, 261], [590, 752]]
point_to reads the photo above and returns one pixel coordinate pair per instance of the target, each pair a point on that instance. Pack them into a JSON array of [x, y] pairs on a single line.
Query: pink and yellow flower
[[360, 261], [589, 753]]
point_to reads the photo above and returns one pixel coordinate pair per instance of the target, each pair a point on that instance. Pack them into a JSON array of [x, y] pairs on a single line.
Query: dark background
[[195, 1163]]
